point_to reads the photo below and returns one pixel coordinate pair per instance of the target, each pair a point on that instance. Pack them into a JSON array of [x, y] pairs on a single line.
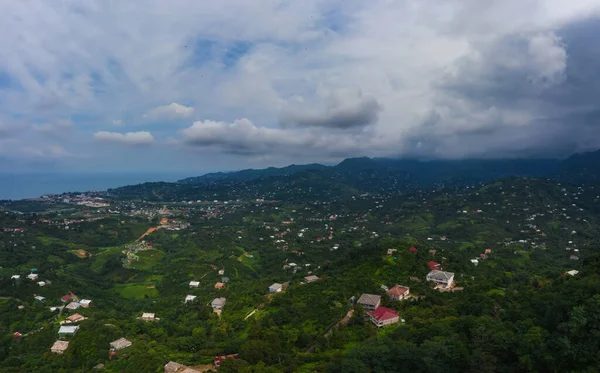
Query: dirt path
[[343, 321], [150, 230], [250, 314]]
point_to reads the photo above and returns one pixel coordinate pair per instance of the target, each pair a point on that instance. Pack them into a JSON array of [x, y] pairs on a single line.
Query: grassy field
[[136, 291]]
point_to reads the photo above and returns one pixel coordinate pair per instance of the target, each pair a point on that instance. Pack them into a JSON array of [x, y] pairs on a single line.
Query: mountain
[[362, 175]]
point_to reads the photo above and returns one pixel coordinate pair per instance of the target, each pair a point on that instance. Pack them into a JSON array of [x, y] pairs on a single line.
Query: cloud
[[129, 138], [345, 110], [316, 78], [56, 127], [173, 110]]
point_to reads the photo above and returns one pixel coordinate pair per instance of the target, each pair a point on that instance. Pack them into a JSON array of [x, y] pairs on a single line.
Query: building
[[433, 266], [275, 288], [219, 285], [399, 292], [32, 276], [573, 272], [148, 317], [311, 278], [217, 360], [369, 302], [40, 298], [120, 344], [41, 283], [67, 330], [85, 303], [73, 306], [194, 284], [189, 298], [75, 318], [218, 303], [383, 316], [15, 277], [59, 347], [475, 262], [66, 298], [173, 367], [444, 279]]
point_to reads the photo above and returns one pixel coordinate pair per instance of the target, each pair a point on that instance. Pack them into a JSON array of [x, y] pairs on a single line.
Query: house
[[32, 276], [391, 251], [85, 303], [488, 251], [41, 283], [573, 272], [445, 279], [221, 272], [66, 298], [219, 285], [413, 249], [218, 303], [148, 317], [275, 288], [59, 347], [399, 292], [120, 344], [432, 252], [483, 256], [194, 284], [189, 298], [225, 279], [219, 359], [39, 298], [15, 277], [75, 318], [67, 330], [433, 266], [173, 367], [475, 262], [311, 278], [573, 257], [369, 301], [383, 316], [73, 306]]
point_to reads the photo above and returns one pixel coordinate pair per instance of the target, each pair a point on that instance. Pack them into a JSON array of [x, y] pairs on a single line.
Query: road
[[343, 321]]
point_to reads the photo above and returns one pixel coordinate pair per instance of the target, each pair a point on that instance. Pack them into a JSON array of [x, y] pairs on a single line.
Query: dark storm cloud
[[522, 95], [346, 115]]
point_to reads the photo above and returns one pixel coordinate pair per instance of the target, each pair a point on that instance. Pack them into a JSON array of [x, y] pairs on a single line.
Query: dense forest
[[524, 252]]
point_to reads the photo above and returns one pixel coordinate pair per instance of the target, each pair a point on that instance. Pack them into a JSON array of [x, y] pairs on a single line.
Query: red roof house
[[66, 298], [413, 249], [433, 266], [398, 292], [383, 316]]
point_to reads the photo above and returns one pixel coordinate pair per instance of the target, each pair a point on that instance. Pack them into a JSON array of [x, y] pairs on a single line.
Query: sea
[[33, 185]]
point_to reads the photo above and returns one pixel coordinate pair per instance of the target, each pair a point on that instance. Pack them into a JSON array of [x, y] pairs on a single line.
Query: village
[[219, 249]]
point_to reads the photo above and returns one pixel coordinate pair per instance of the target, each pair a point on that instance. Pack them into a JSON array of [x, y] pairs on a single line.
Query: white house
[[15, 277], [73, 306], [445, 279], [67, 330], [120, 344], [189, 298], [218, 303], [32, 276], [475, 262], [275, 288], [85, 303], [194, 284], [41, 283]]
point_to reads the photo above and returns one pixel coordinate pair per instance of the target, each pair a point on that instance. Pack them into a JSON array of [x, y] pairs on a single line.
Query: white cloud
[[173, 110], [484, 68], [130, 138]]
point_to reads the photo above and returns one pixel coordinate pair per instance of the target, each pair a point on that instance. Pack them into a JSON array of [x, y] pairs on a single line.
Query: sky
[[199, 86]]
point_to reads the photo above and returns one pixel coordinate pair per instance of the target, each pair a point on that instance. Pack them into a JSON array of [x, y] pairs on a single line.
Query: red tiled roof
[[66, 297], [383, 313], [413, 249], [433, 265], [398, 290]]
